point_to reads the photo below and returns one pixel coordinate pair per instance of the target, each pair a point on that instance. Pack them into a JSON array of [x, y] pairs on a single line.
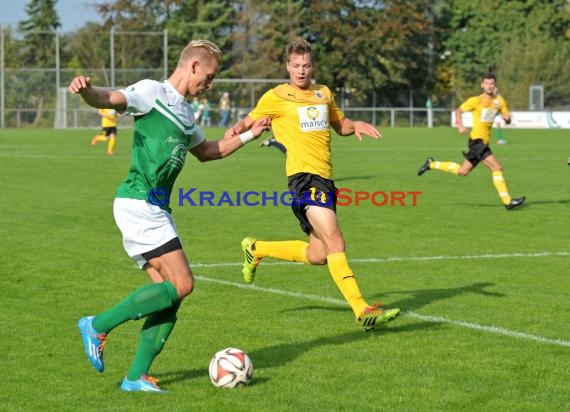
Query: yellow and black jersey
[[108, 118], [300, 120], [485, 108]]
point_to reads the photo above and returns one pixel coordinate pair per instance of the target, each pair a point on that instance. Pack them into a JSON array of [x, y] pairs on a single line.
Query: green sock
[[154, 333], [139, 304]]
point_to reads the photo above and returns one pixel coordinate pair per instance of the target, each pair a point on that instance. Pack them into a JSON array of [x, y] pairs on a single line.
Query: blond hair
[[202, 49], [299, 46]]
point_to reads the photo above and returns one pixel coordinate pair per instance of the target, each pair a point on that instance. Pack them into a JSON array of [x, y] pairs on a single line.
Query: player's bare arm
[[217, 149], [241, 126], [459, 121], [97, 97], [347, 127]]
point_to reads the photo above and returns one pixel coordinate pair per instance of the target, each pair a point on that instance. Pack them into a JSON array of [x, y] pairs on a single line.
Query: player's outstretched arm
[[97, 97], [459, 121], [240, 127], [347, 127], [218, 149]]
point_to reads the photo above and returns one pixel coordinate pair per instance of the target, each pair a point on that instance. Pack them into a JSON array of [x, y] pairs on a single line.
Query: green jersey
[[164, 132]]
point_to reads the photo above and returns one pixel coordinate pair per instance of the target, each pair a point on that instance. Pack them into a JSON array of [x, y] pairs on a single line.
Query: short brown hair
[[299, 46], [201, 49]]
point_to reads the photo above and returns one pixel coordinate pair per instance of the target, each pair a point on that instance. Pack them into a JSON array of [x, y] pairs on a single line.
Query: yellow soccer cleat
[[250, 262], [373, 316]]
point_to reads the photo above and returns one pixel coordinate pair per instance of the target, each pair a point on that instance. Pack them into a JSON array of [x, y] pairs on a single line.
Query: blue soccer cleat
[[93, 342], [144, 384]]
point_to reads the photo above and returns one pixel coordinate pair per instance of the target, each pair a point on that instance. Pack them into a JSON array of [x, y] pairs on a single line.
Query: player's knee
[[463, 172], [317, 260], [185, 286], [316, 256]]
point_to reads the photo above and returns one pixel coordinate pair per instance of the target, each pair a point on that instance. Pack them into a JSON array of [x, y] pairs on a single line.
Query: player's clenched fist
[[79, 83]]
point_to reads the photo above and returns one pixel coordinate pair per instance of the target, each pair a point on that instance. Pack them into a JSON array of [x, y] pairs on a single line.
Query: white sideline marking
[[404, 259], [434, 319]]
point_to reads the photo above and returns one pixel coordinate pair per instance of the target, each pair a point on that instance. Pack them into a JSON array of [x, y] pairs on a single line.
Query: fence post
[[2, 101], [429, 113], [112, 52], [165, 47]]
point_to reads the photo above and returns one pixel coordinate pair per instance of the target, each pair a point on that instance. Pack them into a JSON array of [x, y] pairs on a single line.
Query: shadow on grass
[[418, 298], [528, 203], [423, 297], [283, 353], [347, 178], [548, 202]]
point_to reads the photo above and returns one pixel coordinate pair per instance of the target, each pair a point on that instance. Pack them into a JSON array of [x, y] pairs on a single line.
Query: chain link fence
[[38, 96]]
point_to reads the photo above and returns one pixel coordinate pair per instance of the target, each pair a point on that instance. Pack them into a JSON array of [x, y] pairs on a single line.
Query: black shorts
[[311, 190], [478, 151], [170, 246], [108, 131]]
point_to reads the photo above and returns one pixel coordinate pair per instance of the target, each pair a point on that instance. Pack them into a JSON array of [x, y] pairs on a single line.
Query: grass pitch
[[483, 291]]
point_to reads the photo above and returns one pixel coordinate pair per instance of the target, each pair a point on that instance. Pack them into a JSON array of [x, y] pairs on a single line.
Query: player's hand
[[231, 132], [462, 129], [79, 84], [260, 125], [361, 128]]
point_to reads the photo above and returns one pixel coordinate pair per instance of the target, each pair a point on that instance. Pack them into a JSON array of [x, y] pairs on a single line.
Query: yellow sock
[[101, 138], [291, 250], [345, 281], [501, 186], [449, 167], [111, 145]]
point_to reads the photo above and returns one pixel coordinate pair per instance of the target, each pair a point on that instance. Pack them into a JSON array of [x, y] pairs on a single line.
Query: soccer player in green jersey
[[485, 108], [165, 130], [302, 115], [499, 124]]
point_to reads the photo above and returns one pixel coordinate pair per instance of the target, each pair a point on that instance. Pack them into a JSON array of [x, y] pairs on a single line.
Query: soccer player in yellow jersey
[[109, 127], [485, 108], [301, 117]]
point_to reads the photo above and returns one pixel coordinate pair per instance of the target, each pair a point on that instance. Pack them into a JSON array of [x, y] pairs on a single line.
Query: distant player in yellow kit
[[109, 127], [302, 115], [485, 108]]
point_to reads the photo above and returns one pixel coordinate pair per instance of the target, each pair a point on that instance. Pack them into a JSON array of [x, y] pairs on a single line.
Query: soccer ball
[[230, 368]]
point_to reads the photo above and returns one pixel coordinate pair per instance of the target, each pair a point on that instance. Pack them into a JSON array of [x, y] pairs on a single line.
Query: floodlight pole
[[63, 114], [165, 55], [2, 76], [112, 53]]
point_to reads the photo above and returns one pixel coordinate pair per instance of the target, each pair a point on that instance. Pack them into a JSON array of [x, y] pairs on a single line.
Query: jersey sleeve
[[266, 106], [335, 113], [469, 105], [503, 109], [140, 97], [197, 138]]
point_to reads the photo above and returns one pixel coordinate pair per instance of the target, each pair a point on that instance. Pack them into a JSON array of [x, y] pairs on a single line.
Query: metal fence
[[37, 97]]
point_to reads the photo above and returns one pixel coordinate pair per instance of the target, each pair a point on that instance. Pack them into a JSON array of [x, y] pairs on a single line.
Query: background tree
[[200, 19], [138, 35], [37, 50], [365, 47], [89, 48], [508, 39], [261, 35]]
